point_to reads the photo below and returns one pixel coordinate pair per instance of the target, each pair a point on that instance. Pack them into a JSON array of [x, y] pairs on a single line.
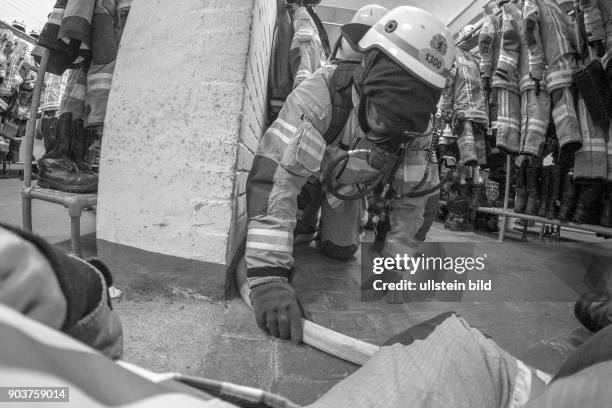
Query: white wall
[[175, 128]]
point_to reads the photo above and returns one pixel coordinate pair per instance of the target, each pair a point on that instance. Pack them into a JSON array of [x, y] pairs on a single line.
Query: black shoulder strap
[[341, 96]]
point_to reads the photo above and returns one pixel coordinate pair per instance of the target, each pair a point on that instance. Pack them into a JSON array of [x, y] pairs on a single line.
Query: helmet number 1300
[[433, 61]]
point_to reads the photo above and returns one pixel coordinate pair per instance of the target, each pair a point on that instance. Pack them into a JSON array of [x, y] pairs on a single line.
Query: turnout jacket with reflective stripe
[[306, 52], [463, 91], [498, 44], [598, 23], [551, 42], [290, 151], [17, 68]]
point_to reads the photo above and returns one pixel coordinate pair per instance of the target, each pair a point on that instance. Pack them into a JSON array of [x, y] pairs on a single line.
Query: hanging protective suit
[[495, 69], [552, 52], [463, 97], [594, 160]]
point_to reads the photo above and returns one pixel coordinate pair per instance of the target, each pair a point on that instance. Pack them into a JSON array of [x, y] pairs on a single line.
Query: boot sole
[[42, 183]]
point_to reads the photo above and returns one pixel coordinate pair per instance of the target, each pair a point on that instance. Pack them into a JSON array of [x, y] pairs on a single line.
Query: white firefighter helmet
[[466, 32], [417, 40], [361, 22], [35, 34], [19, 25], [369, 15]]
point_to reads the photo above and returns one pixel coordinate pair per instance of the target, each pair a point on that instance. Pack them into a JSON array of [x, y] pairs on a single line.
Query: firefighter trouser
[[508, 122], [410, 219], [591, 161], [535, 117], [73, 100], [480, 141], [610, 152], [340, 228], [407, 220], [566, 122], [472, 143], [467, 143], [429, 215]]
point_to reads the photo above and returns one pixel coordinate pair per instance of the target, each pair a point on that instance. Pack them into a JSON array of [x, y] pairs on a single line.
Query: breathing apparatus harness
[[382, 185], [385, 179]]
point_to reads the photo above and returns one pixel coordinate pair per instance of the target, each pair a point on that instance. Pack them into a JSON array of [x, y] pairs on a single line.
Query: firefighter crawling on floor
[[351, 125]]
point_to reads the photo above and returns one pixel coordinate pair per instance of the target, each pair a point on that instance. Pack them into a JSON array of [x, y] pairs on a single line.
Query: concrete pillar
[[185, 113]]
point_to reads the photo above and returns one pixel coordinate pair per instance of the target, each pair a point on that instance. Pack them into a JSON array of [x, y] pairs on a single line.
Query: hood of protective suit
[[404, 102]]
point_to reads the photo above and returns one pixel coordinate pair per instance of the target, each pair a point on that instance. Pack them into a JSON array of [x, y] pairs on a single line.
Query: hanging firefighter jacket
[[297, 51], [67, 34], [495, 66], [556, 50], [90, 32], [307, 52], [592, 160], [598, 24], [108, 22], [535, 100], [463, 95]]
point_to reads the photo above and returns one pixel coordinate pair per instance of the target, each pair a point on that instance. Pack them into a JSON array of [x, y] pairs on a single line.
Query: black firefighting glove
[[599, 47], [277, 310]]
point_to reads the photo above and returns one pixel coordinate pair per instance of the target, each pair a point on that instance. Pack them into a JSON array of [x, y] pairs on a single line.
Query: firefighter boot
[[533, 191], [79, 144], [554, 190], [545, 191], [478, 196], [606, 215], [461, 220], [48, 129], [451, 213], [594, 310], [587, 203], [56, 168], [568, 198], [521, 188]]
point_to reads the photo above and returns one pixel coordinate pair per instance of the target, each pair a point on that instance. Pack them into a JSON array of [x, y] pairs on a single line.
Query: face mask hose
[[335, 171]]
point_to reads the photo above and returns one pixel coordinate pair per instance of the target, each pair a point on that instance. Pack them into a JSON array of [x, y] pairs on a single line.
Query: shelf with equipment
[[507, 212]]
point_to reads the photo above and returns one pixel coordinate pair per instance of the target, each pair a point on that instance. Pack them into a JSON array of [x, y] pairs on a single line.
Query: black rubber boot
[[79, 144], [545, 189], [56, 168], [478, 196], [594, 310], [48, 129], [450, 206], [465, 191], [590, 194], [13, 154], [533, 190], [520, 201], [606, 214], [568, 198], [554, 190], [461, 222]]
